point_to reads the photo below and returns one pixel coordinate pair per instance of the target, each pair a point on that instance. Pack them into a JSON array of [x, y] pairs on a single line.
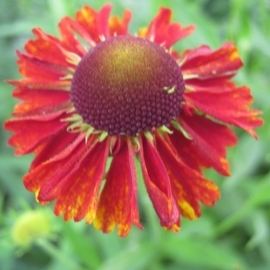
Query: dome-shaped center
[[126, 85]]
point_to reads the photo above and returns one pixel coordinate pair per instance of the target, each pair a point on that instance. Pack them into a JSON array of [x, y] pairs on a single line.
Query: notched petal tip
[[94, 23], [163, 32], [204, 63], [231, 106], [118, 201], [118, 26]]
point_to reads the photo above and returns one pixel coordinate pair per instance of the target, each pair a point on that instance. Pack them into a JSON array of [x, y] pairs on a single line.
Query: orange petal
[[118, 26], [188, 185], [53, 146], [50, 189], [210, 139], [158, 185], [38, 98], [166, 33], [69, 40], [77, 194], [41, 83], [118, 202], [187, 151], [49, 159], [95, 23], [29, 134], [215, 84], [45, 113], [204, 63], [47, 48], [35, 68], [230, 106]]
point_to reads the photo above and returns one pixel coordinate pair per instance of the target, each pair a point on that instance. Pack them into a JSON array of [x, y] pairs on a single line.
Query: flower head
[[98, 98], [31, 226]]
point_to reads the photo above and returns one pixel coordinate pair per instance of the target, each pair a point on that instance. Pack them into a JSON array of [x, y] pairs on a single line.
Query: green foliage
[[235, 234]]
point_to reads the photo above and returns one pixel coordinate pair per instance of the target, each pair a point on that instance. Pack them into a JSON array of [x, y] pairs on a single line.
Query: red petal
[[118, 26], [230, 106], [44, 113], [47, 48], [54, 146], [187, 151], [188, 185], [103, 20], [77, 194], [29, 134], [69, 40], [118, 202], [203, 63], [42, 83], [158, 185], [78, 28], [35, 68], [38, 98], [51, 187], [210, 139], [164, 32], [47, 163], [95, 23], [216, 84]]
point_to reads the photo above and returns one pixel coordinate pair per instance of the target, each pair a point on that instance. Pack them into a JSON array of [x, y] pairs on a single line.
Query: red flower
[[93, 105]]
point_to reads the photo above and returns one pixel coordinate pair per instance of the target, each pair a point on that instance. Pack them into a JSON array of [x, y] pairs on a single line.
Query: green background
[[235, 234]]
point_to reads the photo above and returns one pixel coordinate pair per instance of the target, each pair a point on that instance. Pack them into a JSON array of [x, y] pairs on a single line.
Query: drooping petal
[[230, 106], [28, 134], [53, 146], [34, 68], [158, 185], [187, 151], [204, 63], [38, 98], [210, 140], [188, 185], [47, 163], [77, 194], [45, 113], [180, 181], [218, 84], [166, 33], [42, 83], [118, 203], [50, 188]]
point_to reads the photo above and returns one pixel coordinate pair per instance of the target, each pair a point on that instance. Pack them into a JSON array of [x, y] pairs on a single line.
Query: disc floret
[[126, 85]]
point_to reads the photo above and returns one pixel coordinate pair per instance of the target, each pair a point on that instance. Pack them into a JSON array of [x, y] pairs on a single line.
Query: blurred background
[[235, 234]]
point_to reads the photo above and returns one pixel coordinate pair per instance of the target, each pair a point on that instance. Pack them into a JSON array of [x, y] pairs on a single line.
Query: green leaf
[[83, 247], [200, 253], [133, 258], [259, 197]]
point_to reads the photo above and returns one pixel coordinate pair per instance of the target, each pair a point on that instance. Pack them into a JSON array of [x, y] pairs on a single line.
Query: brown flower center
[[126, 85]]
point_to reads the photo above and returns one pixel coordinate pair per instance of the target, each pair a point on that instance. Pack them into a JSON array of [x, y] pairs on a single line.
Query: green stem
[[56, 254]]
